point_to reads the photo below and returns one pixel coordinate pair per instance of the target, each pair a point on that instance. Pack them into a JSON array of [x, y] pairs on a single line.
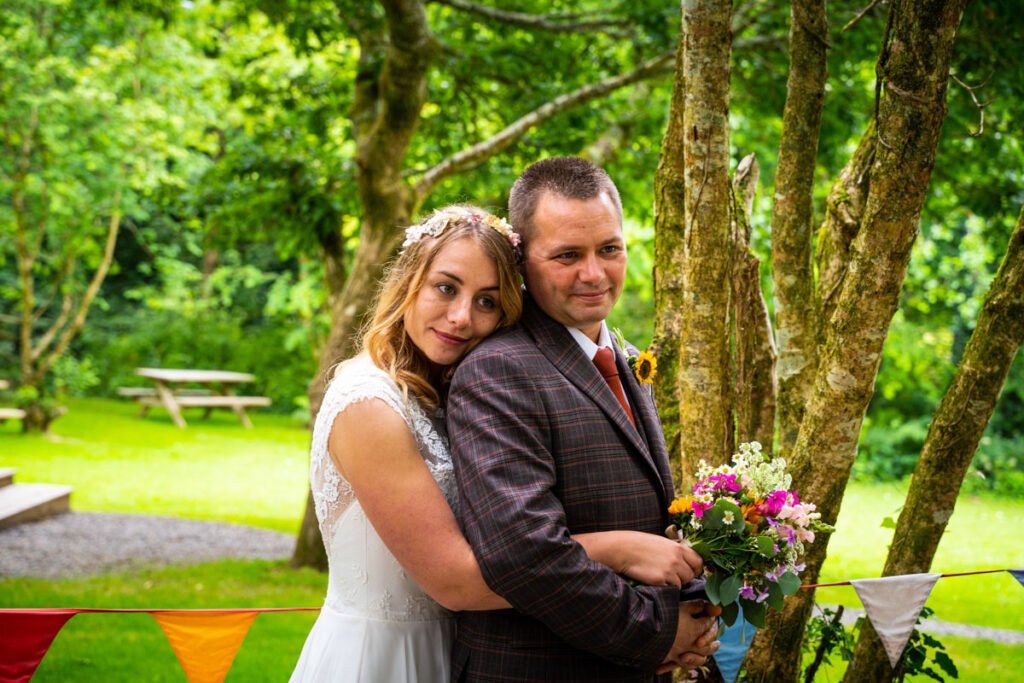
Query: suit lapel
[[646, 415], [558, 346]]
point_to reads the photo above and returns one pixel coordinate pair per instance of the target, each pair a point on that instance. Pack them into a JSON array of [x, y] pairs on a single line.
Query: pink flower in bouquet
[[776, 501]]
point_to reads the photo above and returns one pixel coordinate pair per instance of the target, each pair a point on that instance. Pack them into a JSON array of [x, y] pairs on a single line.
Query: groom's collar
[[587, 344]]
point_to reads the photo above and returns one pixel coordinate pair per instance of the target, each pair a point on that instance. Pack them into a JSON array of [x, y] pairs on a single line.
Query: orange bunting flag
[[205, 642], [26, 638]]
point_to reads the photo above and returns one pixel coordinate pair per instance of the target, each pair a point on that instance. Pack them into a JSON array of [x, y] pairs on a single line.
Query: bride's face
[[458, 304]]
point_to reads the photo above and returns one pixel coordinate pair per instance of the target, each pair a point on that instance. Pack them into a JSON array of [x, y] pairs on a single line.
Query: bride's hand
[[655, 560]]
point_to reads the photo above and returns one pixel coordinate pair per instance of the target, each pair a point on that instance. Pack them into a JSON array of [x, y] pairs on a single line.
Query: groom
[[545, 444]]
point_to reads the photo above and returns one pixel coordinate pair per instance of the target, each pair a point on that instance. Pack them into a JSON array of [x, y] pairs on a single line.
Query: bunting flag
[[893, 604], [205, 642], [1018, 574], [734, 645], [27, 637]]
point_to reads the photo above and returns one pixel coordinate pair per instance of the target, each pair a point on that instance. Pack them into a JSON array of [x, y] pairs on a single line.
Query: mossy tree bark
[[752, 330], [669, 249], [792, 216], [953, 437], [843, 214], [914, 66], [704, 372]]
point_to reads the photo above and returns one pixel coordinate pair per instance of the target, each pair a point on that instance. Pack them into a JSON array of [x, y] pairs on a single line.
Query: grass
[[131, 647], [218, 470], [982, 534], [977, 661], [213, 469]]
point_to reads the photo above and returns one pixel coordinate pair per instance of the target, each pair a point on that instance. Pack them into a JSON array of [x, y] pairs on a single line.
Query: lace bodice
[[365, 578]]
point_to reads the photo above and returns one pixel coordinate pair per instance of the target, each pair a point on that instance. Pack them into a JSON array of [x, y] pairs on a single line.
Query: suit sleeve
[[501, 446]]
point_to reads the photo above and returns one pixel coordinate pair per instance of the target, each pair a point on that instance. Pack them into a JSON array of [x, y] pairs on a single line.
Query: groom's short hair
[[570, 177]]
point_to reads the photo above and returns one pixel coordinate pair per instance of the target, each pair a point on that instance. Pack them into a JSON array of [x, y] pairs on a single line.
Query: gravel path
[[84, 543]]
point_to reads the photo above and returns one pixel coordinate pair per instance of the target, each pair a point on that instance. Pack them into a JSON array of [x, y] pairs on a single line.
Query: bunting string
[[941, 576], [206, 641]]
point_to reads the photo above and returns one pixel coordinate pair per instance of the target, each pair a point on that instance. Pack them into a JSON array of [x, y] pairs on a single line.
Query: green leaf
[[704, 549], [754, 612], [713, 518], [789, 583], [888, 523], [946, 664], [765, 546], [729, 590], [711, 588], [776, 598], [729, 613]]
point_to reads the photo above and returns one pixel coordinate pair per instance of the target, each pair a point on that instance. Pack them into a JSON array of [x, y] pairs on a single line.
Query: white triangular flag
[[893, 604]]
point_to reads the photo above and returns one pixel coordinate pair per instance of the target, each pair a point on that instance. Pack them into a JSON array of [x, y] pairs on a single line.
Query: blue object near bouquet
[[735, 643]]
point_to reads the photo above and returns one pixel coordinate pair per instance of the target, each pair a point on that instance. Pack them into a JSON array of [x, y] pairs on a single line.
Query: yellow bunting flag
[[205, 642]]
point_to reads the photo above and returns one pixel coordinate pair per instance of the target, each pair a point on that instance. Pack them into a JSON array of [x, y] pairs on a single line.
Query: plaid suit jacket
[[542, 449]]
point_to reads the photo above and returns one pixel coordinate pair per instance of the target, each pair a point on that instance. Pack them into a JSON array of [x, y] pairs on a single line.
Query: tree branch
[[90, 293], [793, 214], [558, 23], [980, 106], [47, 339], [863, 13], [475, 155]]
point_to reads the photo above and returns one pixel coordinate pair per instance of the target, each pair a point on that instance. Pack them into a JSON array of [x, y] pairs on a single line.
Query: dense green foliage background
[[224, 126]]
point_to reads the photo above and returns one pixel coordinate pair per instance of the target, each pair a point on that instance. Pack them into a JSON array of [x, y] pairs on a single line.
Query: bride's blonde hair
[[385, 337]]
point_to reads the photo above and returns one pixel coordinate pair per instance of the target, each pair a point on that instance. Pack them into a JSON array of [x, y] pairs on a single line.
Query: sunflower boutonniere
[[644, 366]]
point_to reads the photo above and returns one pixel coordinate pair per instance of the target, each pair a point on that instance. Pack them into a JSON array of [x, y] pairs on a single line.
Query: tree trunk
[[915, 69], [953, 437], [704, 372], [387, 201], [793, 213], [844, 211], [752, 330], [669, 251]]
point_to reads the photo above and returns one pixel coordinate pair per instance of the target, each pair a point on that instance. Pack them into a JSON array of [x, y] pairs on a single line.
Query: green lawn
[[983, 534], [218, 470], [131, 647], [213, 469]]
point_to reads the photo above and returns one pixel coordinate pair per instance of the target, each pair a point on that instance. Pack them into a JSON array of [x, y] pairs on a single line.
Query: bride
[[382, 476]]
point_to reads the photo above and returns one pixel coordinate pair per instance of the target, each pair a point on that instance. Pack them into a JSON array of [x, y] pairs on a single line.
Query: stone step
[[6, 476], [27, 502]]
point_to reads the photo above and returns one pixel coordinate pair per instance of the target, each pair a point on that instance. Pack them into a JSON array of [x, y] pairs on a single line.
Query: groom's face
[[576, 260]]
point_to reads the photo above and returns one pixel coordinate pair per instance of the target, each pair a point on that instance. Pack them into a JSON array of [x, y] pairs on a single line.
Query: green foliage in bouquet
[[750, 529]]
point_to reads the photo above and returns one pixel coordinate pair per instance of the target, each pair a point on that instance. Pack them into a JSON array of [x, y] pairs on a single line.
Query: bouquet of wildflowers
[[750, 529]]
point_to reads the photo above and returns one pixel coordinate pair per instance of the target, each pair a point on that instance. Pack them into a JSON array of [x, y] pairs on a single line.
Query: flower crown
[[436, 224]]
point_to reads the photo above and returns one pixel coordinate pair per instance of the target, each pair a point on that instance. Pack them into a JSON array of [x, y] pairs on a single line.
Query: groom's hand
[[696, 636]]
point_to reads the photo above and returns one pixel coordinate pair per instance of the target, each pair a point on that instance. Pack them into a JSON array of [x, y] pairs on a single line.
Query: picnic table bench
[[9, 413], [168, 393]]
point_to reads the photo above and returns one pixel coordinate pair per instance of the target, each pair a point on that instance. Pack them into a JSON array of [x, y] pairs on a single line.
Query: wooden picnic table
[[169, 393]]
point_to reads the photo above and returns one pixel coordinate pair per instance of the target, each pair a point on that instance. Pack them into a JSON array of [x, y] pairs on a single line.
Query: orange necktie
[[605, 362]]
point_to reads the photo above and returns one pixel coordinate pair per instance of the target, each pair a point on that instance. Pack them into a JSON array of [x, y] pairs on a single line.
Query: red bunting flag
[[26, 637], [205, 642]]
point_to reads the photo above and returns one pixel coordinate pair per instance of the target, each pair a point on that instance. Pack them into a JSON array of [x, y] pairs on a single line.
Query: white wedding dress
[[376, 624]]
